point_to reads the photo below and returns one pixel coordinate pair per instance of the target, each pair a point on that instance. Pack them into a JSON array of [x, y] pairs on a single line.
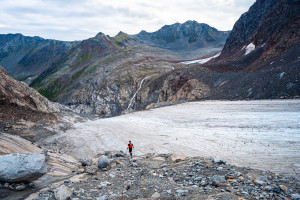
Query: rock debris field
[[262, 134], [165, 177]]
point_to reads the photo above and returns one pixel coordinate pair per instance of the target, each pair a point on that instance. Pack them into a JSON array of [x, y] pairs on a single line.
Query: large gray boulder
[[103, 162], [22, 167]]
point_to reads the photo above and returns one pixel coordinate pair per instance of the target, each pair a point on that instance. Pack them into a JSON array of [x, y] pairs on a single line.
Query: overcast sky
[[81, 19]]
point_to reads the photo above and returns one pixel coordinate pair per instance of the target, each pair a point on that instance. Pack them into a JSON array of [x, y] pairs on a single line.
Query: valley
[[212, 114]]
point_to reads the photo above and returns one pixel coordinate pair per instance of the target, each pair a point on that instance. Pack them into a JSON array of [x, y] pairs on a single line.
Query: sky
[[71, 20]]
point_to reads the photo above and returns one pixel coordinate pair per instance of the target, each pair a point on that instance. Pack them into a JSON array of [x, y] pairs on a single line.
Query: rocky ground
[[165, 176]]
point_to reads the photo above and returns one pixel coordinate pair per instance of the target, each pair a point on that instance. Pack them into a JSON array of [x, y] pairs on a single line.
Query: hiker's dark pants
[[130, 151]]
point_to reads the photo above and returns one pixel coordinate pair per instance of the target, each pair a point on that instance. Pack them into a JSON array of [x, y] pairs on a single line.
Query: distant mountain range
[[26, 57], [105, 76]]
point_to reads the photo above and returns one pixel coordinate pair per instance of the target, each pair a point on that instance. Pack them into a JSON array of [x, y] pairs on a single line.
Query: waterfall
[[131, 101]]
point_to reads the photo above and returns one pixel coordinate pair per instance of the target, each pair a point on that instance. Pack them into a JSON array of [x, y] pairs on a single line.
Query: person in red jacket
[[130, 147]]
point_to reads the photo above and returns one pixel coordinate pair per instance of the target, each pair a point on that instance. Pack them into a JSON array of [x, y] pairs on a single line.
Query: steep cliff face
[[18, 94], [266, 33], [25, 112], [25, 58]]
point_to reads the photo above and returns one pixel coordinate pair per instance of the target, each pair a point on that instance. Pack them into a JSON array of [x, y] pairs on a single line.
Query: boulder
[[277, 189], [269, 188], [283, 188], [103, 162], [156, 195], [63, 193], [104, 197], [261, 181], [219, 161], [119, 155], [105, 184], [86, 162], [181, 192], [217, 180], [177, 157], [295, 196], [198, 179], [20, 187], [21, 167], [91, 170]]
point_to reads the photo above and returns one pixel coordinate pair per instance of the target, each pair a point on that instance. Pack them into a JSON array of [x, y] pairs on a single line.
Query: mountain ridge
[[181, 36], [26, 57]]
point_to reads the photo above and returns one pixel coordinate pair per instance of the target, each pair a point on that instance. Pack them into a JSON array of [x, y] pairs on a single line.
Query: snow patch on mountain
[[200, 61], [249, 48]]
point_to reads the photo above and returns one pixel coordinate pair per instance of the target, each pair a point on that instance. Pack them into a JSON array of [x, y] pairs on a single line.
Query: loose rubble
[[159, 177]]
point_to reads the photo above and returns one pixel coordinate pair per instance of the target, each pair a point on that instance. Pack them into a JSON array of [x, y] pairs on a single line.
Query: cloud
[[77, 19]]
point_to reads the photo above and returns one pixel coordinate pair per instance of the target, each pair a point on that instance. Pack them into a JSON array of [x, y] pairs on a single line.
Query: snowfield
[[259, 134]]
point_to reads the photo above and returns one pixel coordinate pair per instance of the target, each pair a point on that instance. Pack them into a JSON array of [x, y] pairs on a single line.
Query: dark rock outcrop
[[271, 28]]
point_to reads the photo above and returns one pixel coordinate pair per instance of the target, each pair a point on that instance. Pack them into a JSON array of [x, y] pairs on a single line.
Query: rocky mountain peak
[[188, 35], [100, 35], [143, 32], [120, 33]]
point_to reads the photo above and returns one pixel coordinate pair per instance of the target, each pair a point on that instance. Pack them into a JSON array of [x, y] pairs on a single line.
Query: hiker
[[130, 146]]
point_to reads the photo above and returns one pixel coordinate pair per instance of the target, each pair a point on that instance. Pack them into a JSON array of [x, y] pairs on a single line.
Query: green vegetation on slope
[[51, 91], [79, 73], [120, 39]]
